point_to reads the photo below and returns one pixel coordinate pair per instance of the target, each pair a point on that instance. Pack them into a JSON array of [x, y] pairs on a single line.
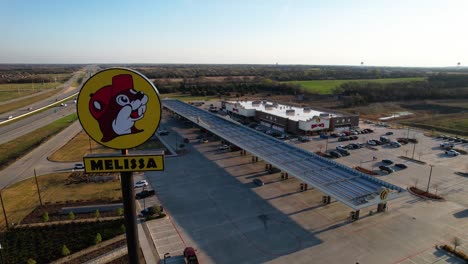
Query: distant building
[[290, 119]]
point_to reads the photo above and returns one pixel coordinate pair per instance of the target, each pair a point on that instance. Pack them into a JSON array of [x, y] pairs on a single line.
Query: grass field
[[78, 147], [17, 90], [456, 124], [15, 149], [21, 198], [326, 86], [186, 98], [82, 145]]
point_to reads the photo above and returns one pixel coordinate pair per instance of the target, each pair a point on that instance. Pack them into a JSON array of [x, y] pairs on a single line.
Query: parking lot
[[210, 195]]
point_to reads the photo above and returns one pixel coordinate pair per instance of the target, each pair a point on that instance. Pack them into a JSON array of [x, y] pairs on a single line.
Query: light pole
[[3, 209], [429, 182], [166, 256], [414, 148]]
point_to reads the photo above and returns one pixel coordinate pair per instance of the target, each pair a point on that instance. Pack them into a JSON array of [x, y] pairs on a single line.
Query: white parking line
[[176, 235], [165, 245]]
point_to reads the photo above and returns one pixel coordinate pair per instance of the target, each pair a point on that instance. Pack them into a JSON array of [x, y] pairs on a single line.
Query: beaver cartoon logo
[[117, 107]]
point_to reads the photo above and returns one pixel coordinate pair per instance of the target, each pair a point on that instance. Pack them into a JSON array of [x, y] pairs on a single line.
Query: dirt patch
[[36, 216]]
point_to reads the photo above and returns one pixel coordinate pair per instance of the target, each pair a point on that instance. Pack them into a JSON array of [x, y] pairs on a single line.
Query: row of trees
[[239, 86], [436, 87], [278, 72]]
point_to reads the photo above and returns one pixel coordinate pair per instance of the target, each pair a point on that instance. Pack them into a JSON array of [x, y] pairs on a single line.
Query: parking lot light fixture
[[430, 175]]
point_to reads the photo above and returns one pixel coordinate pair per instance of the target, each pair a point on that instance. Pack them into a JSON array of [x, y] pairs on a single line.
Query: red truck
[[190, 256]]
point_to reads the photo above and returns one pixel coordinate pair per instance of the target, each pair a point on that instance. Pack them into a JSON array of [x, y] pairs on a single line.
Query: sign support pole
[[131, 228]]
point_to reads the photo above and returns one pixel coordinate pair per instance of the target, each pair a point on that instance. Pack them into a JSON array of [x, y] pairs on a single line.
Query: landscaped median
[[12, 150]]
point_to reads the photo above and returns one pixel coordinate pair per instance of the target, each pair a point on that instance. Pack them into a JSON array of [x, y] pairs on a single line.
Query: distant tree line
[[279, 72], [241, 87], [440, 86]]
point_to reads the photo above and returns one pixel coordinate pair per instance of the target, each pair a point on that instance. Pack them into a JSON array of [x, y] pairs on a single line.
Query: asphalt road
[[23, 126], [37, 159]]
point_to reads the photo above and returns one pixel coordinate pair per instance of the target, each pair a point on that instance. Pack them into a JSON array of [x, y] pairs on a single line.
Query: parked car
[[340, 147], [335, 154], [10, 117], [371, 142], [386, 169], [258, 182], [223, 147], [190, 256], [452, 153], [387, 161], [401, 165], [78, 166], [353, 146], [389, 133], [447, 145], [343, 152], [144, 194], [303, 139], [395, 144], [344, 138], [140, 184], [186, 140], [203, 140]]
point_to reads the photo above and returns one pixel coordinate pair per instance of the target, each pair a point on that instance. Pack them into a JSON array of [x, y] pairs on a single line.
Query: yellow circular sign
[[119, 108], [384, 194]]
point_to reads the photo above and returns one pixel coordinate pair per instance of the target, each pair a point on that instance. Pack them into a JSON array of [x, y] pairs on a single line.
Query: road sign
[[123, 163], [119, 108]]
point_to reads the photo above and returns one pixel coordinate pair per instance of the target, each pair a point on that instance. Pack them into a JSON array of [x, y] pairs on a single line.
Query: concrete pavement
[[37, 159]]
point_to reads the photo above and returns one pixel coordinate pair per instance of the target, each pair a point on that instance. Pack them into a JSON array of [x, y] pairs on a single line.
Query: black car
[[144, 194], [335, 154], [386, 169], [343, 152], [353, 137], [401, 165], [345, 138], [258, 182], [303, 139], [352, 146], [386, 161]]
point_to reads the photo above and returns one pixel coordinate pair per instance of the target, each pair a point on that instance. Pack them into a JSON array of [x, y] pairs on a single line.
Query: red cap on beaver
[[101, 98]]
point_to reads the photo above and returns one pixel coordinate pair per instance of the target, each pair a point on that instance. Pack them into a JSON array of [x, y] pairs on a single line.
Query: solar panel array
[[353, 188]]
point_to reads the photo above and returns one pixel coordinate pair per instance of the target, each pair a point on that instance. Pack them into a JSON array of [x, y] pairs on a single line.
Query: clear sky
[[333, 32]]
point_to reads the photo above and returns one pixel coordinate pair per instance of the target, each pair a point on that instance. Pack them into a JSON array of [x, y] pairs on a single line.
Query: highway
[[30, 123], [37, 158]]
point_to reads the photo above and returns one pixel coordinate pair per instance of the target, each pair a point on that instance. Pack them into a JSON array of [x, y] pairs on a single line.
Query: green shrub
[[120, 211], [71, 215], [45, 217], [98, 238], [65, 251], [97, 214], [122, 228], [31, 261], [151, 217]]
